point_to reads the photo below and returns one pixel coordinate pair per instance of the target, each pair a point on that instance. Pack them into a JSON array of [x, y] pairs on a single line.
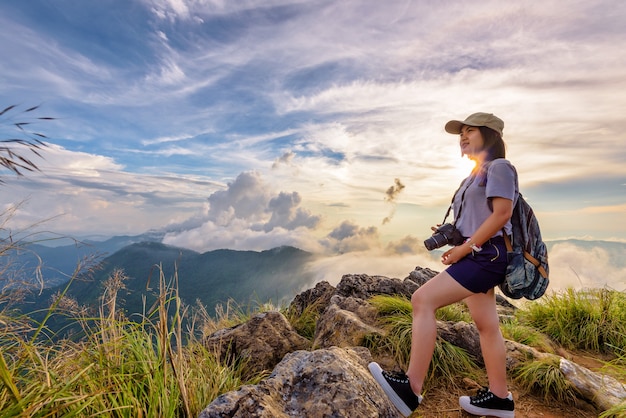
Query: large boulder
[[363, 286], [315, 299], [332, 382], [346, 322], [262, 341]]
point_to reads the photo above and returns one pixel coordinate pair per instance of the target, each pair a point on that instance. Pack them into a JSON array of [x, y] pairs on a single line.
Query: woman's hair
[[493, 143]]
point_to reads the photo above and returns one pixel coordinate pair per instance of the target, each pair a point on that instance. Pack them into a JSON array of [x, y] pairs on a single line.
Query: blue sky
[[250, 124]]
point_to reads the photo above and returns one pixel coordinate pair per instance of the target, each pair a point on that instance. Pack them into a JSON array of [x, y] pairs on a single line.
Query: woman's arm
[[502, 211]]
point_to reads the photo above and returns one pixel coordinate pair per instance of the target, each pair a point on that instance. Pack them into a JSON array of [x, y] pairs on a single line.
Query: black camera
[[445, 234]]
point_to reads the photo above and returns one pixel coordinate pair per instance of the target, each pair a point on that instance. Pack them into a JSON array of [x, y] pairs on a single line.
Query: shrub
[[586, 319], [544, 377]]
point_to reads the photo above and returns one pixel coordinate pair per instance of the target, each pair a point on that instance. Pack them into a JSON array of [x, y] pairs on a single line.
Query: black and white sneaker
[[397, 388], [486, 403]]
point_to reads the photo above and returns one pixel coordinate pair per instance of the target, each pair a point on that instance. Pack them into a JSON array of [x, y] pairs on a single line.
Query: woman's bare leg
[[483, 310], [441, 290]]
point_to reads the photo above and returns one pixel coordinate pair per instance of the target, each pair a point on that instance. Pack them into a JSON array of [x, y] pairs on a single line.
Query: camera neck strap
[[458, 214]]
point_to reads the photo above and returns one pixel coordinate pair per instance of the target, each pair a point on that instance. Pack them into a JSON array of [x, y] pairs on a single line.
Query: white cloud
[[170, 9], [78, 193], [249, 213], [572, 266], [286, 213], [349, 237], [238, 235], [285, 159], [246, 198], [168, 74], [246, 214], [59, 160]]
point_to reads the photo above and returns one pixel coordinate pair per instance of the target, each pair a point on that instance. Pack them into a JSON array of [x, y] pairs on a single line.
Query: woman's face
[[471, 141]]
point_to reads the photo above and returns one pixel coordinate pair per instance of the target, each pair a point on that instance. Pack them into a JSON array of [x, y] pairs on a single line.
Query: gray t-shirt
[[500, 181]]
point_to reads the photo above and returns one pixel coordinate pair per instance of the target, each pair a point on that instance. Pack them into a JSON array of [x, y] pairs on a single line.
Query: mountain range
[[212, 278]]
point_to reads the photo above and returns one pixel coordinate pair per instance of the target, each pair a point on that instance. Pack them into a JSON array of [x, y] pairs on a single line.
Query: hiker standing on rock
[[476, 264]]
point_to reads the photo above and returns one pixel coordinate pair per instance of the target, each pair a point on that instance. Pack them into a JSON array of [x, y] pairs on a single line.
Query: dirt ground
[[440, 403]]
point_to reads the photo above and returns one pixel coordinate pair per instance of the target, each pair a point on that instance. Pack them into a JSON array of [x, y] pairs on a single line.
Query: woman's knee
[[420, 301], [439, 291], [487, 326]]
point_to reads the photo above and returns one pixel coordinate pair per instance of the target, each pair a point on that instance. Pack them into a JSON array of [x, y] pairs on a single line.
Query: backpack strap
[[527, 255], [457, 215]]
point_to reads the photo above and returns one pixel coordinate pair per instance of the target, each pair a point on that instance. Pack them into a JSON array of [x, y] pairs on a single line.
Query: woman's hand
[[455, 254], [502, 210]]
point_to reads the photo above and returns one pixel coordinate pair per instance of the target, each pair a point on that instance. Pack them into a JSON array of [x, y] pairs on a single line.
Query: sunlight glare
[[465, 166]]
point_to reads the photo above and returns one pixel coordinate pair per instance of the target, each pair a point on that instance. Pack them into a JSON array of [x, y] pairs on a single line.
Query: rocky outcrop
[[346, 322], [316, 299], [363, 287], [331, 382], [261, 342], [329, 378]]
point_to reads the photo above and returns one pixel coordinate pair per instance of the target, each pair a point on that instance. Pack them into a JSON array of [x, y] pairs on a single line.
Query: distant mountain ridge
[[212, 278], [59, 262]]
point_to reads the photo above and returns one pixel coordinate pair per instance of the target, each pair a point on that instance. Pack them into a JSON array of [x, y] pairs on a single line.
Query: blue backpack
[[527, 271]]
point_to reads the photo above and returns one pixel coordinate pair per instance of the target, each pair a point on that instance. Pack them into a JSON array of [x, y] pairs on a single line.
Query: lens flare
[[465, 166]]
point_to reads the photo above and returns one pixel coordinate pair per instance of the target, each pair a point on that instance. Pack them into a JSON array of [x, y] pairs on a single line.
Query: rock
[[604, 391], [362, 286], [331, 382], [518, 353], [421, 275], [345, 323], [262, 341], [461, 334], [318, 297]]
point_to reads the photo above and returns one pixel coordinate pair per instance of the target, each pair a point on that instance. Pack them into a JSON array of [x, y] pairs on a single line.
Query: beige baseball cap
[[476, 119]]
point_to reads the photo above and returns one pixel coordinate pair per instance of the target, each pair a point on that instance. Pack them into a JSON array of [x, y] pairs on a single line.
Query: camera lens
[[436, 241]]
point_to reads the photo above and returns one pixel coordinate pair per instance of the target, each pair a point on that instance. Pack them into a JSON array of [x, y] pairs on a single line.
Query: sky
[[255, 123]]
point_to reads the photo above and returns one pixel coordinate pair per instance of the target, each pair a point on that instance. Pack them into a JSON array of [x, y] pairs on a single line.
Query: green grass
[[305, 322], [524, 334], [544, 377], [588, 320], [617, 366], [149, 367], [120, 368]]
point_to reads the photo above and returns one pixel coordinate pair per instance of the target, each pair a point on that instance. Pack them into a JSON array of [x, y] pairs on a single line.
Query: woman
[[482, 206]]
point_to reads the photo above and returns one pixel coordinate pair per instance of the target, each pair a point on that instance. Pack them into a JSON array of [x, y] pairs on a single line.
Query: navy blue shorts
[[480, 271]]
